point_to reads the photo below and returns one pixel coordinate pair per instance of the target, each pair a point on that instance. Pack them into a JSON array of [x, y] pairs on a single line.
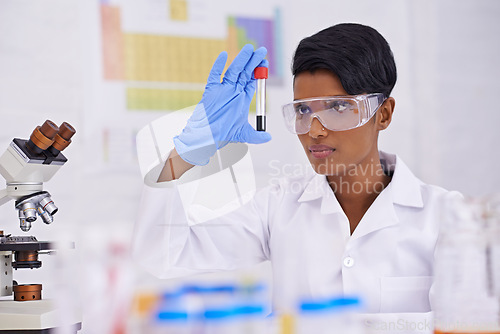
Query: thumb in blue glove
[[222, 114]]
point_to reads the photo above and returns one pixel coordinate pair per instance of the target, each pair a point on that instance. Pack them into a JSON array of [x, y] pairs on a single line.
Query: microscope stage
[[38, 316]]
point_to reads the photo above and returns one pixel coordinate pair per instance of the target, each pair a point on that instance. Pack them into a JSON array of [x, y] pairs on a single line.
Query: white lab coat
[[300, 227]]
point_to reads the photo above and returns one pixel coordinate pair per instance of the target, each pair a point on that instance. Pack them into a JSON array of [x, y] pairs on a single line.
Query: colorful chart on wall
[[162, 50]]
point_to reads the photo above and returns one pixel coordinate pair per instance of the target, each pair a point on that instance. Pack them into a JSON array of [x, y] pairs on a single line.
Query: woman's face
[[334, 152]]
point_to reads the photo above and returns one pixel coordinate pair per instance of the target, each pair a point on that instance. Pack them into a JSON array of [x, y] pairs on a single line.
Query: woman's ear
[[384, 114]]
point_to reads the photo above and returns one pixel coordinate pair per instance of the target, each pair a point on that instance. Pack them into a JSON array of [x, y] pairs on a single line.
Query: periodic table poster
[[150, 58], [164, 68]]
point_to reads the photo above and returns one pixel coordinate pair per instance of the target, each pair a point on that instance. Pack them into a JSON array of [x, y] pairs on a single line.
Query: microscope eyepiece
[[50, 137], [42, 137], [66, 131], [62, 139]]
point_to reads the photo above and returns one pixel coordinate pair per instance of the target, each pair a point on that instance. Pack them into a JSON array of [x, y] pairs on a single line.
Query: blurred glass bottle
[[233, 308], [176, 313], [209, 309], [465, 292], [234, 318], [335, 315], [492, 216]]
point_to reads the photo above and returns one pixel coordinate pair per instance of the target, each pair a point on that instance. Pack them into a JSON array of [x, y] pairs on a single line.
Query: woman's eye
[[302, 109], [339, 106]]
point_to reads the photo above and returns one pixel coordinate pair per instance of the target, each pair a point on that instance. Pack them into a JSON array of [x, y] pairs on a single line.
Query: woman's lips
[[320, 151]]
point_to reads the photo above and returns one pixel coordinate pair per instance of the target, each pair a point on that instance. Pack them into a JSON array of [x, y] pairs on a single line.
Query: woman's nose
[[317, 129]]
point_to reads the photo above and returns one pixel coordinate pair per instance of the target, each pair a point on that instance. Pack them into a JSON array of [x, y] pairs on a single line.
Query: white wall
[[467, 86]]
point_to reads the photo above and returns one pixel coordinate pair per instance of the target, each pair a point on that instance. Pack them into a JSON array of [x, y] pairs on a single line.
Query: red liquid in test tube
[[261, 74]]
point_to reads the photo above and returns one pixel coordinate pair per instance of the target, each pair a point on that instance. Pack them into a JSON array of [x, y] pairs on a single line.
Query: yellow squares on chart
[[161, 99], [170, 58], [178, 10]]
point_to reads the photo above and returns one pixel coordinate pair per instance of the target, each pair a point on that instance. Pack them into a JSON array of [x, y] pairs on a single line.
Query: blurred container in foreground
[[202, 308], [466, 281], [335, 315]]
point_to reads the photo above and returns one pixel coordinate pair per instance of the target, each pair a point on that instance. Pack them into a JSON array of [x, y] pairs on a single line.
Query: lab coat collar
[[318, 187], [404, 190], [404, 187], [314, 189]]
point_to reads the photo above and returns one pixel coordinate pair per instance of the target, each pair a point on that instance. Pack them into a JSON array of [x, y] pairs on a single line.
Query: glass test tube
[[261, 74]]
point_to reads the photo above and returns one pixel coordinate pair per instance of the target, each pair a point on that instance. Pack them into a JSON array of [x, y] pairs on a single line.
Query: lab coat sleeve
[[168, 244]]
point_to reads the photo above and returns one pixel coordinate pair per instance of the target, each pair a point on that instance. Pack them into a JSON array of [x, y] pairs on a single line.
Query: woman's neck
[[358, 187]]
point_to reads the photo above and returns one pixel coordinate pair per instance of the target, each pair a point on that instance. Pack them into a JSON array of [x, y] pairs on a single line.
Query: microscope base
[[37, 316]]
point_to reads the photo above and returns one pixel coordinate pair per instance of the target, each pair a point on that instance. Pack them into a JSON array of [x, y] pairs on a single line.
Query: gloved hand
[[222, 114]]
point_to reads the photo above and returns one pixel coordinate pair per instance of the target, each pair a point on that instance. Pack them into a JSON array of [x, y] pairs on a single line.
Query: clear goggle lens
[[336, 113]]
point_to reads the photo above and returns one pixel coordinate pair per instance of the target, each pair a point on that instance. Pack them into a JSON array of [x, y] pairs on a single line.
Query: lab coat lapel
[[380, 214], [403, 190], [406, 186], [313, 189], [318, 188]]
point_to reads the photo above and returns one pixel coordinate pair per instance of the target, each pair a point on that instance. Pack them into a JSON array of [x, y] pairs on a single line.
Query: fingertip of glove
[[262, 49], [247, 47], [266, 136], [264, 63], [261, 137], [260, 53], [222, 54]]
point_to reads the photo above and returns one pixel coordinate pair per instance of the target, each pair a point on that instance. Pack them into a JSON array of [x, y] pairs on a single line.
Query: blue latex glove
[[222, 114]]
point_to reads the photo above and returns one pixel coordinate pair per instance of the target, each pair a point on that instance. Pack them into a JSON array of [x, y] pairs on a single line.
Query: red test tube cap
[[260, 73]]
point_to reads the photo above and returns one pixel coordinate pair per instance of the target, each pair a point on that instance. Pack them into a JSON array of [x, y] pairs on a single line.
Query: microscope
[[26, 165]]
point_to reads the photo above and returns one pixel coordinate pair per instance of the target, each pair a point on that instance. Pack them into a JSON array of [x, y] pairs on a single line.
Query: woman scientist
[[363, 224]]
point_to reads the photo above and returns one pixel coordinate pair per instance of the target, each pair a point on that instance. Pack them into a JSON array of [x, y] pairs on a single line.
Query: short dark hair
[[357, 54]]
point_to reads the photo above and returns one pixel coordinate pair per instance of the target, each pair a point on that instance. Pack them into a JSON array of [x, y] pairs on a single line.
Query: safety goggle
[[336, 113]]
